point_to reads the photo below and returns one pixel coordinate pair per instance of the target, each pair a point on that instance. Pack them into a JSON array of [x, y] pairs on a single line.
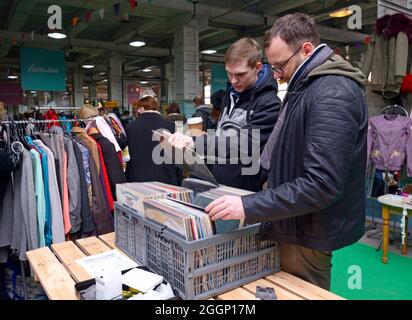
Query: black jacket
[[257, 108], [113, 166], [141, 167], [316, 195]]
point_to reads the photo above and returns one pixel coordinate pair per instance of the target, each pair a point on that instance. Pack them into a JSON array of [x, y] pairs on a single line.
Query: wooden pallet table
[[57, 271]]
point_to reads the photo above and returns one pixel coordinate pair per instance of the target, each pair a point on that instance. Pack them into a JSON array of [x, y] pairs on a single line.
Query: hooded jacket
[[256, 109], [316, 187]]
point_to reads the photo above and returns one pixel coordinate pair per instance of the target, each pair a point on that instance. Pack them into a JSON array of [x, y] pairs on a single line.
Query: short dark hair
[[173, 108], [294, 29]]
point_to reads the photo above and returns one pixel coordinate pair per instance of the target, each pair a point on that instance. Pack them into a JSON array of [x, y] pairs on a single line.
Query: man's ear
[[308, 48], [259, 66]]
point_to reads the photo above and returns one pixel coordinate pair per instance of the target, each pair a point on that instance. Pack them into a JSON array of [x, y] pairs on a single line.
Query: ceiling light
[[144, 82], [33, 91], [85, 88], [11, 76], [341, 13], [147, 70], [88, 66], [210, 51], [105, 80], [102, 73], [56, 35], [137, 43]]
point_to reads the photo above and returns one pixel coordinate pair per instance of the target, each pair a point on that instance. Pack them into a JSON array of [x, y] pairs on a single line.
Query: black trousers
[[308, 264]]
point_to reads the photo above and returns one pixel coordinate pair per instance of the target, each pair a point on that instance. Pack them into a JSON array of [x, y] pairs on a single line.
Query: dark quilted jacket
[[316, 189]]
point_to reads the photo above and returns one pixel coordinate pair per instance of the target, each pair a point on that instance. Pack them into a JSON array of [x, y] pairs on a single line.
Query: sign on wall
[[219, 77], [42, 69]]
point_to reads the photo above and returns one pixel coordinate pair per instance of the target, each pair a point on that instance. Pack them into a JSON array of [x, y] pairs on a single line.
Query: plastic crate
[[130, 234], [203, 268]]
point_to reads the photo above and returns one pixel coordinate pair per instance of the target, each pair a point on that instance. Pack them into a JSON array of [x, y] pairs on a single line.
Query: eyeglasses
[[281, 69]]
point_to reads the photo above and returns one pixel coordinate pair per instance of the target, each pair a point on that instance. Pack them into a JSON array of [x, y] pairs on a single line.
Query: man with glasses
[[315, 156]]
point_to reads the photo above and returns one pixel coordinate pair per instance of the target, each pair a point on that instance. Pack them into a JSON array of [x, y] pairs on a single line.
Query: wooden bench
[[57, 271]]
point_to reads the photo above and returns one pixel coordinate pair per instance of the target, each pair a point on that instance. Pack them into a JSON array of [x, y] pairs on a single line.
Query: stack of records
[[198, 185], [191, 223], [132, 195], [175, 192], [203, 199]]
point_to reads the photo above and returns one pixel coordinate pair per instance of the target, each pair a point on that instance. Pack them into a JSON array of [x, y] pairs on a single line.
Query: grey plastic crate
[[203, 268], [129, 233]]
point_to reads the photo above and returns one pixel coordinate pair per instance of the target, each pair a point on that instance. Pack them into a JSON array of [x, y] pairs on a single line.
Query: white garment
[[106, 131]]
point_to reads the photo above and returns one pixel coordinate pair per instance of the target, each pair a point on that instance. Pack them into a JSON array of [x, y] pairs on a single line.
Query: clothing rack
[[44, 121]]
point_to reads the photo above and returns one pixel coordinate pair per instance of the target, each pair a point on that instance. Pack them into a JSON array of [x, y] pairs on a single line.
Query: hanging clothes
[[25, 233], [105, 129], [55, 200], [387, 55], [40, 199], [45, 169], [114, 169], [81, 135], [390, 142], [6, 223], [88, 228], [73, 187], [102, 217]]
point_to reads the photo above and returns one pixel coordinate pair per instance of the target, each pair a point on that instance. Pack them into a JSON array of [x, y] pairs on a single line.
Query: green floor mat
[[392, 281]]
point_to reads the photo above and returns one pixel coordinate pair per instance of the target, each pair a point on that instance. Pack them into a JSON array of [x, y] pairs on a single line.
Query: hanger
[[395, 109]]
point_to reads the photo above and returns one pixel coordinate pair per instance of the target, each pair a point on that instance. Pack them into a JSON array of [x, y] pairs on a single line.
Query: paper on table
[[141, 280], [98, 263]]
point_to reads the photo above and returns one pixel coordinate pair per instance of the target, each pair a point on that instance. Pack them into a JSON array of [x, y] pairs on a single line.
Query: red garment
[[407, 84], [109, 195], [51, 115]]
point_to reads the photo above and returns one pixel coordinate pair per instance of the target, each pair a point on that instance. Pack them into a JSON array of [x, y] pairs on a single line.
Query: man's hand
[[226, 208], [180, 141]]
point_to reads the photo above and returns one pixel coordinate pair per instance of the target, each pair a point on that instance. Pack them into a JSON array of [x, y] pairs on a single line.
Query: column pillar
[[115, 79], [78, 88], [186, 66]]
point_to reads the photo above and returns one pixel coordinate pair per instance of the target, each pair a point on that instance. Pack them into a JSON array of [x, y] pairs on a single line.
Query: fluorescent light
[[88, 66], [105, 80], [144, 82], [84, 88], [137, 43], [341, 13], [210, 51], [32, 91], [147, 70], [12, 77], [102, 73], [56, 35]]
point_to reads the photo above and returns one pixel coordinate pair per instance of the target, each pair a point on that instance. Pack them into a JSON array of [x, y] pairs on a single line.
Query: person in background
[[216, 99], [203, 111], [125, 118], [141, 167], [173, 113], [102, 111]]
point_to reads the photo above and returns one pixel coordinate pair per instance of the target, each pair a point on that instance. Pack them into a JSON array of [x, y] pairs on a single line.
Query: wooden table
[[392, 204], [58, 272]]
